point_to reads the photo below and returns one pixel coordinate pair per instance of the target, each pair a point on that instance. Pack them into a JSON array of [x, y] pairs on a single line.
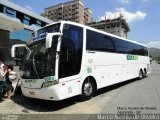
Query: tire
[[88, 89], [145, 73], [140, 75], [18, 90]]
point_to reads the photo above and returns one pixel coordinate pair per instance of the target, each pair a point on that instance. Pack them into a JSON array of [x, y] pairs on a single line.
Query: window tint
[[146, 51], [99, 42], [126, 47], [121, 46], [71, 51]]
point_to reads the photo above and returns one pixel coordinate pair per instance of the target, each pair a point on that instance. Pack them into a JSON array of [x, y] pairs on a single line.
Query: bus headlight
[[49, 83]]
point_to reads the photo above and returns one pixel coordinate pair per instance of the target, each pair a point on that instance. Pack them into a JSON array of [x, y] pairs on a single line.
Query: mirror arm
[[58, 52], [14, 47], [49, 39]]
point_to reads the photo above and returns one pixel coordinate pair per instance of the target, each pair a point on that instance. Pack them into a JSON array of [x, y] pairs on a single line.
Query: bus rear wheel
[[145, 73], [140, 75], [88, 89]]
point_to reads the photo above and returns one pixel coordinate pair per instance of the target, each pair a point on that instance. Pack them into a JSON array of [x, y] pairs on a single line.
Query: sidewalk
[[8, 106]]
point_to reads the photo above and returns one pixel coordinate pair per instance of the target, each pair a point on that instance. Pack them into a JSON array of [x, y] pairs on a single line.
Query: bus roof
[[94, 29]]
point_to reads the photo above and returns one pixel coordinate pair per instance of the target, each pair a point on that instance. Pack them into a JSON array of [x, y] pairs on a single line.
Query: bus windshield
[[41, 61]]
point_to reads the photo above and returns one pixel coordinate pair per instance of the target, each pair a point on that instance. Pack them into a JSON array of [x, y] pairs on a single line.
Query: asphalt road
[[134, 96], [143, 93]]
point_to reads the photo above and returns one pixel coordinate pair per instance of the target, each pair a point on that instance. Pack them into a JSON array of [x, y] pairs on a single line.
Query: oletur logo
[[132, 57], [31, 81]]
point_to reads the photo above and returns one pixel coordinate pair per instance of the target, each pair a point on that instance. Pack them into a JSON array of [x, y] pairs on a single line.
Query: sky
[[143, 16]]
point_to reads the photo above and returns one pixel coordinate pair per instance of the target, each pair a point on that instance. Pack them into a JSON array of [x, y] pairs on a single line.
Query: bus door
[[70, 51]]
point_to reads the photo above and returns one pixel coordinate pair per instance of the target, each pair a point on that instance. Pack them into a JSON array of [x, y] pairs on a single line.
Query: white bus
[[66, 59]]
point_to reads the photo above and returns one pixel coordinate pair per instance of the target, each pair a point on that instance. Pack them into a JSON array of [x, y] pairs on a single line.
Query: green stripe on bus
[[132, 57]]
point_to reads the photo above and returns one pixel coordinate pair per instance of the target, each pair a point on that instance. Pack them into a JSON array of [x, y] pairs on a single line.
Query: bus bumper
[[49, 93], [53, 93]]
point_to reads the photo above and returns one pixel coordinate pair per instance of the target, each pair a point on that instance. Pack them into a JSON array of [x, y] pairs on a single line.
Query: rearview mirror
[[49, 39], [13, 50]]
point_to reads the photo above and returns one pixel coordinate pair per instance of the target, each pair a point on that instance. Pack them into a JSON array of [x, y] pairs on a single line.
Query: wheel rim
[[88, 89]]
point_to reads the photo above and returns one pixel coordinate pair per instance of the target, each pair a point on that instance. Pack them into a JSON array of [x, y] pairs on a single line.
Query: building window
[[21, 35], [26, 19], [9, 12], [38, 23]]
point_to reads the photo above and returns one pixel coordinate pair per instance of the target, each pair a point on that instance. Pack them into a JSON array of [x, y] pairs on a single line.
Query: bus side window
[[71, 51], [66, 50]]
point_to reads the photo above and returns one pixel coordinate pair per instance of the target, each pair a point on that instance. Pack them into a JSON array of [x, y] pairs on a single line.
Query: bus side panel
[[111, 68], [111, 74], [129, 71], [107, 68]]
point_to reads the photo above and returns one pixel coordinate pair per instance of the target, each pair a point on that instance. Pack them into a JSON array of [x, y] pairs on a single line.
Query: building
[[87, 15], [116, 26], [71, 11], [18, 21], [17, 24]]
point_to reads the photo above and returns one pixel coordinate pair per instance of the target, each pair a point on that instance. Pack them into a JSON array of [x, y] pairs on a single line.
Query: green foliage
[[154, 53]]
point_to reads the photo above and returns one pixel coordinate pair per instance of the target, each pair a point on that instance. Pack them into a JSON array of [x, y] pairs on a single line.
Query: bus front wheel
[[88, 89]]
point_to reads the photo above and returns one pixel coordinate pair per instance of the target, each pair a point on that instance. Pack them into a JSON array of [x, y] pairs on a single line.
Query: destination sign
[[42, 33], [40, 36]]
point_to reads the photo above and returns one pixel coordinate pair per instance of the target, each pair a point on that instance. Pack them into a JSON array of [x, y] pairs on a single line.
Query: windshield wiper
[[29, 52]]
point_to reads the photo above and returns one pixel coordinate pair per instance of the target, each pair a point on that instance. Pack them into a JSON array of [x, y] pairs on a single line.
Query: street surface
[[141, 96]]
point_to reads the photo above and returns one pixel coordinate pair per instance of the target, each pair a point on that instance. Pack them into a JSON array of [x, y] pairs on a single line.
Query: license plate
[[31, 93]]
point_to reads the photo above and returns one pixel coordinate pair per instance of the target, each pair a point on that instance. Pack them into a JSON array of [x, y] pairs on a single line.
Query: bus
[[67, 59]]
